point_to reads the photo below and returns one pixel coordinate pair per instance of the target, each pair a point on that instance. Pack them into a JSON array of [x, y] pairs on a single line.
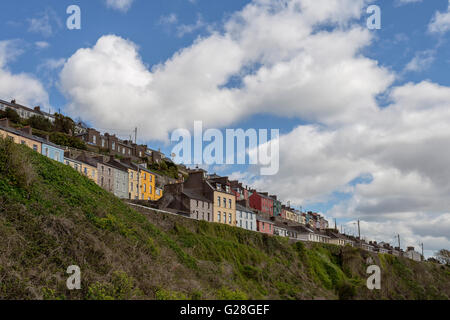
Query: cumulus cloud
[[398, 157], [120, 5], [23, 87], [295, 75], [440, 22]]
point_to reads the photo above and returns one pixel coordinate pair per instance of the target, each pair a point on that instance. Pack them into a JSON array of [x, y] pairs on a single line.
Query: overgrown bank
[[51, 217]]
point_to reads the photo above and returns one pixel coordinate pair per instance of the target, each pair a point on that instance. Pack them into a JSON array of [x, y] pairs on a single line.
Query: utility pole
[[335, 224], [423, 257], [359, 231], [135, 135], [399, 247]]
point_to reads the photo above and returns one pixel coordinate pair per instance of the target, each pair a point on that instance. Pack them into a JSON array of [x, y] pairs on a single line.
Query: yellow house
[[224, 207], [20, 137], [147, 181], [83, 168]]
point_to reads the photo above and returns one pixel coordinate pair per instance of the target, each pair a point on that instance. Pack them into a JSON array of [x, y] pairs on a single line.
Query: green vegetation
[[165, 168], [62, 139], [51, 217]]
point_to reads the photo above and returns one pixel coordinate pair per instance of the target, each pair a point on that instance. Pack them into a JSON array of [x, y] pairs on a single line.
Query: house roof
[[88, 160], [16, 105], [259, 218], [29, 136], [192, 194], [242, 208]]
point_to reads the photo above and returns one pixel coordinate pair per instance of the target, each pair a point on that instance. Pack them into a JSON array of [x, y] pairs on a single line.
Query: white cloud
[[42, 44], [120, 5], [296, 76], [440, 22], [403, 148], [168, 19], [421, 61], [190, 28], [45, 23], [23, 87]]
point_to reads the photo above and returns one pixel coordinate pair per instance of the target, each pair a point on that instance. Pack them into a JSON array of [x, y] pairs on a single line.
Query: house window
[[197, 203], [150, 189], [229, 218], [145, 187], [22, 142], [56, 156], [94, 139], [224, 217], [246, 224], [218, 201], [102, 182], [113, 145], [218, 217], [103, 143], [224, 202], [109, 171], [145, 176], [46, 152], [131, 187], [229, 200], [131, 175], [85, 171]]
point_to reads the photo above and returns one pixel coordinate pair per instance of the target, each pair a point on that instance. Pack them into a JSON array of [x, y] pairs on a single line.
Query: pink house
[[264, 225]]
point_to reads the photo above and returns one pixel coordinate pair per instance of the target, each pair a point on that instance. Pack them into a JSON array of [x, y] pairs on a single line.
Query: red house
[[261, 202], [264, 225]]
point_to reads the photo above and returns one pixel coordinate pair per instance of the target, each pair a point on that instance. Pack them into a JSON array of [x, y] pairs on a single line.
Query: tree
[[11, 114], [64, 124], [40, 123], [443, 256]]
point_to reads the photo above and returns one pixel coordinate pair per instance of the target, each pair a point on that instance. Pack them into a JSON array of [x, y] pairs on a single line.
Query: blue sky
[[39, 45]]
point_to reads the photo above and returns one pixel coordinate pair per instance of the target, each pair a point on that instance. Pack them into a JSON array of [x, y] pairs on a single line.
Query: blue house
[[52, 151]]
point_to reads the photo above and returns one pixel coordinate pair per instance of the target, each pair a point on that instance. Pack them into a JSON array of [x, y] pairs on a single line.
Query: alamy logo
[[374, 21], [74, 281], [374, 281], [74, 20], [265, 154]]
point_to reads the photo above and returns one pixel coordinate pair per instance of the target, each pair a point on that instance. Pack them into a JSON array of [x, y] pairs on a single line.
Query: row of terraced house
[[201, 196]]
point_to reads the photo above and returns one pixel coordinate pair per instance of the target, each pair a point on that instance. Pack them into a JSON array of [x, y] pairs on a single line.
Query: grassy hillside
[[51, 217]]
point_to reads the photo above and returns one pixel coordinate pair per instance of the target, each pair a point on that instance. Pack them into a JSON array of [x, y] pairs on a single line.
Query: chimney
[[27, 130], [47, 137], [13, 101], [37, 108], [4, 122]]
